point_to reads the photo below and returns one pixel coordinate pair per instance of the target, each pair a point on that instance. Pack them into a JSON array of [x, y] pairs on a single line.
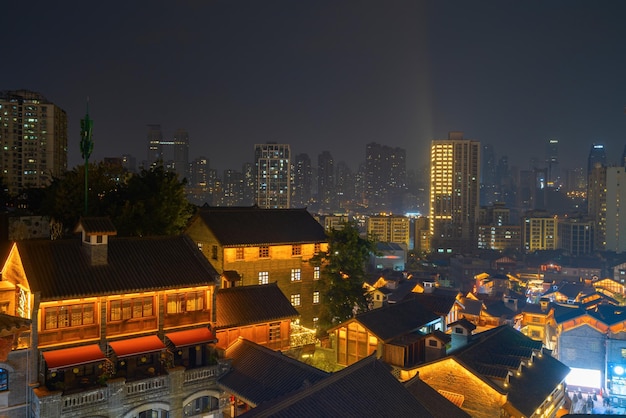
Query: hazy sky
[[326, 74]]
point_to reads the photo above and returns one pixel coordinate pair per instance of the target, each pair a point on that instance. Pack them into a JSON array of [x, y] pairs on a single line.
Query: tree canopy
[[154, 203], [149, 203], [343, 275]]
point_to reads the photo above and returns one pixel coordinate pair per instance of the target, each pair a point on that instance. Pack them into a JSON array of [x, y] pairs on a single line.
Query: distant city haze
[[327, 75]]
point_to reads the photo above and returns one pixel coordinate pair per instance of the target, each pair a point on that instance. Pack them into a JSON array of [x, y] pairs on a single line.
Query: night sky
[[326, 74]]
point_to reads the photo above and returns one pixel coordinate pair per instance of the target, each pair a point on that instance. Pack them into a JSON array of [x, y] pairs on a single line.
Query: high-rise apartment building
[[249, 191], [344, 185], [385, 176], [172, 153], [33, 139], [552, 161], [615, 220], [396, 229], [575, 235], [232, 188], [273, 175], [596, 193], [302, 178], [454, 193], [489, 180], [539, 231], [495, 230], [597, 157], [155, 145], [180, 146], [325, 180]]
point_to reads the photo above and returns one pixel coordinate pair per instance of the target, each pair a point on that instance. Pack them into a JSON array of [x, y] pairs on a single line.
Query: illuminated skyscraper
[[454, 193], [33, 139], [597, 156], [552, 161], [273, 175], [155, 145]]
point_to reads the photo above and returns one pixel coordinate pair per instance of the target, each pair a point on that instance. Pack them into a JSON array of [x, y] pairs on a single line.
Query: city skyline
[[328, 75]]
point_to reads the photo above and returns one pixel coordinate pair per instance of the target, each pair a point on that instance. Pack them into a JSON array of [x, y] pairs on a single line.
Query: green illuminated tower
[[86, 146]]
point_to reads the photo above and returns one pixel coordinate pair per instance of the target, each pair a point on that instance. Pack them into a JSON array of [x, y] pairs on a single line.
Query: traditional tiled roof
[[231, 275], [437, 404], [533, 386], [495, 353], [60, 269], [364, 389], [244, 305], [437, 303], [240, 226], [571, 290], [535, 308], [498, 309], [565, 313], [403, 290], [10, 325], [609, 314], [463, 323], [258, 374], [395, 320], [96, 225], [442, 336], [471, 306]]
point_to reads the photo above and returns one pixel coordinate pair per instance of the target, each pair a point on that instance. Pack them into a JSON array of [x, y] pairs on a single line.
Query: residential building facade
[[615, 195], [539, 231], [273, 175], [119, 326], [392, 228], [33, 139], [454, 193], [265, 246]]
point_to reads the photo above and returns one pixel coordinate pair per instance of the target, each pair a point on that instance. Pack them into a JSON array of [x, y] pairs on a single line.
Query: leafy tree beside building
[[343, 275]]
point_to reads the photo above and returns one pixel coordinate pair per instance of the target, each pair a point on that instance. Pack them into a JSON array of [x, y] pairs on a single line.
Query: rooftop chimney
[[95, 234]]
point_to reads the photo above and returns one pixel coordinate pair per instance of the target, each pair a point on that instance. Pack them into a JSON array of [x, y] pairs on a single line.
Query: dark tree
[[150, 203], [154, 203], [64, 198], [343, 275]]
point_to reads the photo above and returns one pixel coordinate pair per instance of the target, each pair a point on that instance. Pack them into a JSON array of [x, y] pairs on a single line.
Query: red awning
[[70, 357], [136, 346], [191, 337]]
